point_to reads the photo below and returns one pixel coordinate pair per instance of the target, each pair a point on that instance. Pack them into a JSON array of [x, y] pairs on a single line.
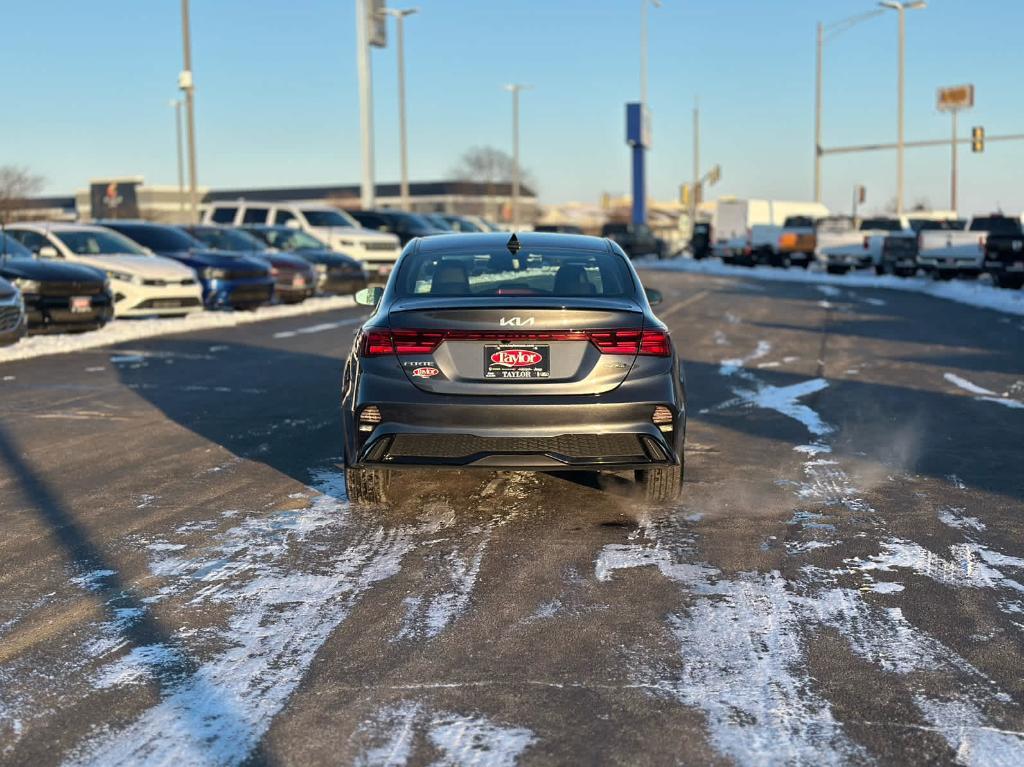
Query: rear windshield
[[929, 225], [553, 273], [330, 218], [996, 225], [881, 224], [798, 221]]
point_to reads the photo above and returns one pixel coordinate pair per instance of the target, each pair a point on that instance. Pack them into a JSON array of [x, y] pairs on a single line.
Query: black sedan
[[535, 352], [336, 272], [294, 277], [406, 225], [59, 297], [13, 324]]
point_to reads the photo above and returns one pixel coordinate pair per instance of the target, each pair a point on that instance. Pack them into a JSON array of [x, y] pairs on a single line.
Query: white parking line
[[318, 328]]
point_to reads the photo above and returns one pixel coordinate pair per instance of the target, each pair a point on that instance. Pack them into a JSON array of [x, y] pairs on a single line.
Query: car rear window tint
[[556, 274]]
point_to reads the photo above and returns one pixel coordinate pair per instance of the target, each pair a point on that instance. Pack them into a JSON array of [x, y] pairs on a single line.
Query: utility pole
[[176, 103], [695, 194], [399, 16], [186, 83], [817, 113], [953, 168], [367, 189], [514, 89]]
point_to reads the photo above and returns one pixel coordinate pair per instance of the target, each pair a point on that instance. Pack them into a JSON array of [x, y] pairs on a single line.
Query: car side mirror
[[369, 296], [47, 251], [654, 297]]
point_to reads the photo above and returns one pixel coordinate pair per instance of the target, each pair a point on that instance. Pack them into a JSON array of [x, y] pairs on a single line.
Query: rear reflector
[[369, 418], [379, 343]]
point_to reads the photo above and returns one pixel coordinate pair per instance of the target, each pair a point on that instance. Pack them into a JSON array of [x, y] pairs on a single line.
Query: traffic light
[[977, 139]]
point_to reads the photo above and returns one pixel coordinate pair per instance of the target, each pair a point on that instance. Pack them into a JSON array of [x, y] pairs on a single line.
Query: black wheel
[[806, 263], [1010, 281], [367, 485], [662, 484], [903, 272], [837, 269], [945, 276]]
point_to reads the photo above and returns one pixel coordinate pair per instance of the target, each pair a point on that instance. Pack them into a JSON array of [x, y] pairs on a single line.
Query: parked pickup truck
[[948, 254], [1004, 254], [899, 251], [861, 247]]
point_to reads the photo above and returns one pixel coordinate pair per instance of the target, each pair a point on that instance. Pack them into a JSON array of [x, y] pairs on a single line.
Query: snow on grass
[[123, 330], [984, 395], [963, 292]]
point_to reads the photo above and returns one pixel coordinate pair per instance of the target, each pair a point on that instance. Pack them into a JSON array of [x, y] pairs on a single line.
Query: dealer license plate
[[517, 362]]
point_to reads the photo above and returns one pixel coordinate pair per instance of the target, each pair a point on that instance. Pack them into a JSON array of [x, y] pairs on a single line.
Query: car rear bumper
[[612, 431]]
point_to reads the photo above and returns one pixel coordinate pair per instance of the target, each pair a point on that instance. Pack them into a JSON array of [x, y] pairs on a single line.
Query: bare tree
[[487, 165], [17, 184]]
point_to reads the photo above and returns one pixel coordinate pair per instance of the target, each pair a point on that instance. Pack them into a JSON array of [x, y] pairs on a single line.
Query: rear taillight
[[380, 343]]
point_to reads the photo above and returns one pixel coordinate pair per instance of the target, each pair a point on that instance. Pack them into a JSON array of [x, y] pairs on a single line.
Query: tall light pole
[[187, 84], [515, 88], [399, 16], [695, 192], [176, 103], [370, 30], [902, 8], [825, 33], [643, 49]]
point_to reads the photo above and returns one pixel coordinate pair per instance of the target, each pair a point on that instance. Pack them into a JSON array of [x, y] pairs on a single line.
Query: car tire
[[837, 269], [880, 270], [662, 484], [367, 485], [1010, 281], [945, 276]]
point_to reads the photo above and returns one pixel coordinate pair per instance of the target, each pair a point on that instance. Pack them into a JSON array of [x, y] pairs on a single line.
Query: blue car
[[229, 280]]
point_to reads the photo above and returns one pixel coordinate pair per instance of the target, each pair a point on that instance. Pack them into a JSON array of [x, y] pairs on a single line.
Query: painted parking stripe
[[323, 326]]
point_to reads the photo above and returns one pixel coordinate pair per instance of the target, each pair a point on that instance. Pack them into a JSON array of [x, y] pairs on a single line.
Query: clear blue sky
[[87, 87]]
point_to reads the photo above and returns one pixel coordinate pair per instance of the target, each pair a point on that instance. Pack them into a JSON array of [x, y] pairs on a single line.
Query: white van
[[377, 250]]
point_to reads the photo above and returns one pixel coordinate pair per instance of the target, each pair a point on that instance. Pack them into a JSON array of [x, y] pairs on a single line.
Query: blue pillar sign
[[638, 137]]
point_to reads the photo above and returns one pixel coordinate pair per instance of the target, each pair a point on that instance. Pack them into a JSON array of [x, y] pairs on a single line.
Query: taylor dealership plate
[[517, 361]]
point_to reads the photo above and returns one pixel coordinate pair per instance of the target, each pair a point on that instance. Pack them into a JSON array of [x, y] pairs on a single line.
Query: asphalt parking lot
[[842, 582]]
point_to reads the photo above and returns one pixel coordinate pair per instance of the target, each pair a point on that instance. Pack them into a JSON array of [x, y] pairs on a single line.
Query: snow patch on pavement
[[284, 598], [461, 740], [984, 395], [975, 744], [963, 292], [969, 565], [124, 330]]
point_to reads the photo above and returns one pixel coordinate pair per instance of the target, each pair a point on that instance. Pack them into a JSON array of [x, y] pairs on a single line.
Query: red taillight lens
[[376, 343], [655, 343], [379, 343], [417, 341]]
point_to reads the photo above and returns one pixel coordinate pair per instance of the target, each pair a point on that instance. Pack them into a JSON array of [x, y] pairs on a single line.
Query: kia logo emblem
[[515, 358], [516, 321]]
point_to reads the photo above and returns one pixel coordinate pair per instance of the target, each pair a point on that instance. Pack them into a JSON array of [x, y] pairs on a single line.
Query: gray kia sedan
[[535, 352]]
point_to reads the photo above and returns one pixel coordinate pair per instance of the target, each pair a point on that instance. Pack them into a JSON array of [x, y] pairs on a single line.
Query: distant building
[[129, 197]]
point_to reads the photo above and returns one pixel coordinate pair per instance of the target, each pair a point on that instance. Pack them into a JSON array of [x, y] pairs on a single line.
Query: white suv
[[143, 284], [377, 250]]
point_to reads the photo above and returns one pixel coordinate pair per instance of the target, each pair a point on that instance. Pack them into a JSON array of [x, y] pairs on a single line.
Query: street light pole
[[817, 114], [367, 190], [826, 32], [515, 88], [399, 16], [187, 84], [953, 169], [176, 103], [901, 8]]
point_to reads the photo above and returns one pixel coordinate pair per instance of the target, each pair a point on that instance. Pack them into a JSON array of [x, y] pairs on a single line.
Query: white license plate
[[299, 281], [80, 304]]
